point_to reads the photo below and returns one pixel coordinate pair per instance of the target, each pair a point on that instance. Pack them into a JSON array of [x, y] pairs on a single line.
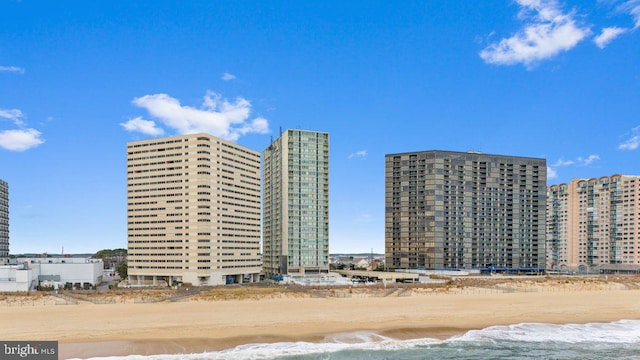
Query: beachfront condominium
[[193, 211], [593, 225], [295, 214], [456, 210], [4, 222]]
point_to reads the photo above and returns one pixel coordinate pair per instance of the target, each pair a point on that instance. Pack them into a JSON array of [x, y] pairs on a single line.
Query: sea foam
[[618, 332], [623, 331]]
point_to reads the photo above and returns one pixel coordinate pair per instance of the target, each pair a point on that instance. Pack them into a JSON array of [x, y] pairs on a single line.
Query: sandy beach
[[211, 321]]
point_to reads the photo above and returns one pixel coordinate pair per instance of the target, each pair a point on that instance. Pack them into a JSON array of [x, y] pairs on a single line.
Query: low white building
[[27, 273], [18, 278]]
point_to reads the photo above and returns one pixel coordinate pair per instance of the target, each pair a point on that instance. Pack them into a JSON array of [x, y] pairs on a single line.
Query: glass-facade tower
[[4, 221], [295, 210]]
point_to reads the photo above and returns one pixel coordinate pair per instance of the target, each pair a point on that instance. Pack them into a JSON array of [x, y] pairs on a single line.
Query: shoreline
[[149, 347], [195, 326], [200, 345]]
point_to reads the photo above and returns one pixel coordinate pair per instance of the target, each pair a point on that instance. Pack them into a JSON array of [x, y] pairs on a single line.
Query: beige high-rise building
[[193, 211], [593, 225], [296, 204]]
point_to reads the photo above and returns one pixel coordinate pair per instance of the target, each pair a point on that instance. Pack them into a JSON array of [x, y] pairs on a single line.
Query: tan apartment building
[[296, 204], [193, 211], [593, 225], [457, 210]]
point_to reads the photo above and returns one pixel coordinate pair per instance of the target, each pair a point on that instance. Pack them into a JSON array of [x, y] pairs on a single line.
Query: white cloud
[[607, 35], [552, 170], [144, 126], [14, 115], [589, 160], [228, 77], [548, 32], [633, 141], [258, 125], [561, 162], [14, 69], [11, 114], [20, 140], [633, 8], [636, 14], [361, 154], [218, 117], [630, 144]]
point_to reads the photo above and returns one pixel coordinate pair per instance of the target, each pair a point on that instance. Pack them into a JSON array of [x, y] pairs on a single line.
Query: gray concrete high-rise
[[193, 211], [459, 210], [4, 221], [295, 213]]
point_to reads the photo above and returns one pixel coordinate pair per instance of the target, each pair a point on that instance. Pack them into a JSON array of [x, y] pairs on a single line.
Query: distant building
[[193, 211], [18, 277], [458, 210], [296, 204], [4, 221], [593, 225], [25, 274]]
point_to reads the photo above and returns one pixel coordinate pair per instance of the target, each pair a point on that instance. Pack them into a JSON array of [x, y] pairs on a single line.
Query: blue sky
[[79, 79]]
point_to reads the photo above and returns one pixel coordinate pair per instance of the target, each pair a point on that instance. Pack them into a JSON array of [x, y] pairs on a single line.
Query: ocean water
[[615, 340]]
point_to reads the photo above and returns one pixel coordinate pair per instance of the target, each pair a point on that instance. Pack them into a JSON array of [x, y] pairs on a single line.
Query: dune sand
[[88, 329]]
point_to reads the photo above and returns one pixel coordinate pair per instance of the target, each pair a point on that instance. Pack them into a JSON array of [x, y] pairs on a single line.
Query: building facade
[[26, 274], [593, 225], [4, 222], [296, 204], [193, 211], [460, 210]]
